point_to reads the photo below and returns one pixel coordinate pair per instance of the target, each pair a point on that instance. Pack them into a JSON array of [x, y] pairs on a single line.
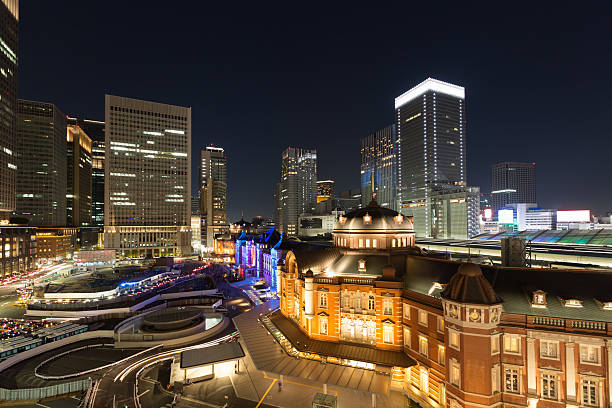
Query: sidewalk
[[254, 388], [256, 385]]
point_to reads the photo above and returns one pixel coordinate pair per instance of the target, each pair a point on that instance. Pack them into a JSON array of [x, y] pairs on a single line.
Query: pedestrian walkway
[[302, 379]]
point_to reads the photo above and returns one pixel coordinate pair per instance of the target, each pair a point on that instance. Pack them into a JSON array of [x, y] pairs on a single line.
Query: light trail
[[126, 371]]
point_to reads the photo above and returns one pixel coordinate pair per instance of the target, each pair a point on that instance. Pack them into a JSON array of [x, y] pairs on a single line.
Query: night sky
[[261, 78]]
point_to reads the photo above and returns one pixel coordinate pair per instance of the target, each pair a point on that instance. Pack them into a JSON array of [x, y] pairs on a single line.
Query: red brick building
[[447, 333]]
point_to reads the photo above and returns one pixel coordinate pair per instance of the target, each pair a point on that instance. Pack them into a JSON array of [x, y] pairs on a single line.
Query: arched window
[[371, 303]]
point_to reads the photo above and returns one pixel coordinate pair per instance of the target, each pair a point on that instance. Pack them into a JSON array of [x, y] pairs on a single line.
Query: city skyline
[[444, 277], [498, 73]]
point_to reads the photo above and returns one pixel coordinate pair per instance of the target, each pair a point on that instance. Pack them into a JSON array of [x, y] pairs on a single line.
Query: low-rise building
[[17, 250], [55, 244], [225, 247]]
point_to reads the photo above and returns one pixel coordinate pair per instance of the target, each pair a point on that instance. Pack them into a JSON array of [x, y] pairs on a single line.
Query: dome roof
[[242, 223], [373, 217], [468, 285]]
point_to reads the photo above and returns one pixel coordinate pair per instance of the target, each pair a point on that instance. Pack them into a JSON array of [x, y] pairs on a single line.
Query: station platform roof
[[210, 355]]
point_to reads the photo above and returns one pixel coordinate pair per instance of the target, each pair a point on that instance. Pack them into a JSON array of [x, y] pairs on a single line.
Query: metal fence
[[44, 392]]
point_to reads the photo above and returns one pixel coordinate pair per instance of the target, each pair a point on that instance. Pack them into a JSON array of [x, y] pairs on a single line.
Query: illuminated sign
[[574, 216], [488, 213], [505, 216]]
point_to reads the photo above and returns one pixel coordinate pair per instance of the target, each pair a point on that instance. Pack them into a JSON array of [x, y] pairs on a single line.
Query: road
[[8, 308], [9, 296], [119, 383]]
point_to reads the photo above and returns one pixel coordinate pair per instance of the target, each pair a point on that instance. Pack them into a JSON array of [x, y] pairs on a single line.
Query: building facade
[[17, 250], [444, 333], [325, 190], [212, 174], [431, 131], [225, 247], [9, 35], [455, 213], [79, 177], [97, 182], [258, 255], [512, 183], [55, 244], [378, 166], [278, 205], [147, 179], [317, 225], [95, 129], [298, 187], [42, 162]]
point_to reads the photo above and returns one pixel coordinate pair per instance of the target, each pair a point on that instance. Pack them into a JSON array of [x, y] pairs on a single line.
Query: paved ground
[[251, 387], [123, 391], [86, 359], [21, 375], [69, 402], [8, 308]]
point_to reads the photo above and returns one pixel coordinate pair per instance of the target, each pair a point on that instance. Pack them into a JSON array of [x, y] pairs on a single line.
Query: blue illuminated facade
[[258, 255]]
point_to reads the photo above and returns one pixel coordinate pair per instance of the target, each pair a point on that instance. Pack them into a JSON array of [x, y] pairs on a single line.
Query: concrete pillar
[[324, 388], [309, 296], [373, 400], [279, 270], [531, 367], [570, 371]]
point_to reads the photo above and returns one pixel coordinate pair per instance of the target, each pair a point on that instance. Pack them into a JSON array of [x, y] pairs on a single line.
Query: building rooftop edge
[[430, 84]]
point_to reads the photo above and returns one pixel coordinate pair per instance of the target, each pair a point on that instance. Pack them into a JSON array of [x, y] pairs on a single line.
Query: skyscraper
[[325, 190], [430, 125], [147, 178], [213, 192], [41, 156], [278, 205], [378, 165], [513, 183], [298, 190], [79, 165], [9, 18], [95, 130]]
